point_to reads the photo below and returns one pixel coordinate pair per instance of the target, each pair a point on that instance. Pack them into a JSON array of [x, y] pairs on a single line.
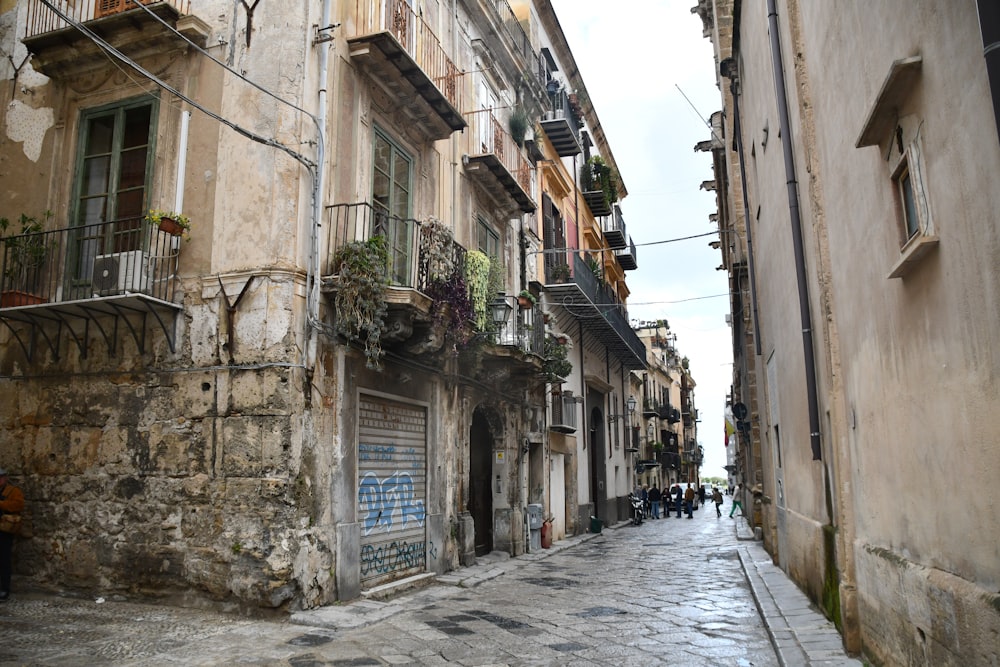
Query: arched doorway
[[480, 481], [598, 468]]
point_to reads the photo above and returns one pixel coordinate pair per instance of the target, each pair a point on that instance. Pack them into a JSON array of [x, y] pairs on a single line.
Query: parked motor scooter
[[638, 511]]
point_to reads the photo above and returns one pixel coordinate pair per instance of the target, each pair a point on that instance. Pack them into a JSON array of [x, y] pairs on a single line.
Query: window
[[916, 225], [113, 173], [904, 186], [487, 240], [392, 174]]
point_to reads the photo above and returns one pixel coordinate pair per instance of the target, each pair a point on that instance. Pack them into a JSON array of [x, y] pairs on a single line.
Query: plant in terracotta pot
[[171, 222], [24, 253], [526, 300], [556, 365], [558, 273]]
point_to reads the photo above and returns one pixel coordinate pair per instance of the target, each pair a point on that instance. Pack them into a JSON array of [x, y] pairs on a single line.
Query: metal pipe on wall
[[796, 223]]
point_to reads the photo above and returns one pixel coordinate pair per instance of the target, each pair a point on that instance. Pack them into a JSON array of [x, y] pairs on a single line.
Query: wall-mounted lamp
[[631, 409], [500, 310]]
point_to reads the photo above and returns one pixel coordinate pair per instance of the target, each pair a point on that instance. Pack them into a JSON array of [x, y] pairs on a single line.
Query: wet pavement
[[671, 591]]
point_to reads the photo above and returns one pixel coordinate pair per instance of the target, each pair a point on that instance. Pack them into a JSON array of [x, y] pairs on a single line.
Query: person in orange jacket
[[11, 502], [689, 500]]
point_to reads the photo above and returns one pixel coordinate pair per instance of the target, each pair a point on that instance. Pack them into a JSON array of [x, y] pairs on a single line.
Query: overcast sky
[[639, 60]]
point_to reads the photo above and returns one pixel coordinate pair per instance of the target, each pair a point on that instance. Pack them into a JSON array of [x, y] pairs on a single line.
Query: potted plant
[[24, 255], [518, 124], [556, 365], [171, 222], [526, 300], [558, 273]]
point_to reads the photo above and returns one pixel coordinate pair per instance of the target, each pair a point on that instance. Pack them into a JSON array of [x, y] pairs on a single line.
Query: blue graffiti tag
[[389, 503], [392, 557]]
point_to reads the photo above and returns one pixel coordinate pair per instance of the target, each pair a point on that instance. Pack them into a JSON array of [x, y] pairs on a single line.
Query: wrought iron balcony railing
[[416, 38], [41, 19], [505, 164], [129, 256]]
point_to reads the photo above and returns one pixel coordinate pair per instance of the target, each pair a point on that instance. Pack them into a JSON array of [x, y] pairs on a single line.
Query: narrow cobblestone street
[[671, 591]]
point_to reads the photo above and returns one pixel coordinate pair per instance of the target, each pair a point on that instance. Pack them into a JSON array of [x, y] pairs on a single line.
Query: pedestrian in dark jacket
[[654, 501], [678, 498], [717, 499]]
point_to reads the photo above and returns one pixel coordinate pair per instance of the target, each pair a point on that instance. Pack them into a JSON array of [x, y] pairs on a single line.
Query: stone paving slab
[[671, 593], [801, 635]]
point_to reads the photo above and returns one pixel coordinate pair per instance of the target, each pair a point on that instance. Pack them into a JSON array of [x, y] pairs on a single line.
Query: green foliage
[[361, 268], [595, 268], [518, 124], [556, 365], [24, 250], [477, 277], [596, 174], [558, 273]]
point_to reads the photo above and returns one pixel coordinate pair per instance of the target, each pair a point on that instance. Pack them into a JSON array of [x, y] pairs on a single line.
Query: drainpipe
[[318, 193], [182, 152], [728, 69], [989, 25], [796, 221]]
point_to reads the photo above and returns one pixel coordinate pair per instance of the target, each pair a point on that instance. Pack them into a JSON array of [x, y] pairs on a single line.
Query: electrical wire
[[249, 134]]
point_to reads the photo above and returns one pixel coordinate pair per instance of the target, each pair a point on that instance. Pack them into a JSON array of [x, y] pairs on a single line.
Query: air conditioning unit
[[121, 272]]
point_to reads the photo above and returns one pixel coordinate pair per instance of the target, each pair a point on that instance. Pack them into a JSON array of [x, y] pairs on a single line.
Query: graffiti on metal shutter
[[392, 488]]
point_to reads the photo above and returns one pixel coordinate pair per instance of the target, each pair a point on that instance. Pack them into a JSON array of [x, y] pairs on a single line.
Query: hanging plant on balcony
[[451, 308], [556, 365], [437, 250], [477, 277], [360, 303]]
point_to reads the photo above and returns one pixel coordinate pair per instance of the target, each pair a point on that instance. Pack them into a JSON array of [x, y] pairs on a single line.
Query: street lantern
[[631, 404], [500, 311]]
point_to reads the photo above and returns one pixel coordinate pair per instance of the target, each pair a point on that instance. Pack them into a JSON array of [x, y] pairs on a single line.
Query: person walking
[[654, 501], [717, 499], [11, 502], [701, 495], [736, 501], [678, 499], [689, 501]]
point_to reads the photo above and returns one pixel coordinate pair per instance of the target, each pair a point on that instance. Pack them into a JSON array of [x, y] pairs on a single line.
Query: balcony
[[411, 320], [405, 57], [626, 257], [650, 408], [117, 277], [563, 412], [592, 302], [496, 162], [560, 123], [614, 229], [62, 51]]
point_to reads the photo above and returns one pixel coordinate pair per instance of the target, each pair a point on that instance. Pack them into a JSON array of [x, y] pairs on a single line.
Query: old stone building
[[855, 164], [325, 384]]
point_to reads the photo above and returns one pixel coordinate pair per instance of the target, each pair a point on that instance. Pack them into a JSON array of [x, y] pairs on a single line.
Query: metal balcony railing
[[362, 221], [119, 257], [41, 19], [416, 38], [488, 136]]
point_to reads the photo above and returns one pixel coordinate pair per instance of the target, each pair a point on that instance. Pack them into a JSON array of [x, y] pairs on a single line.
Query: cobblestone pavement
[[671, 591]]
